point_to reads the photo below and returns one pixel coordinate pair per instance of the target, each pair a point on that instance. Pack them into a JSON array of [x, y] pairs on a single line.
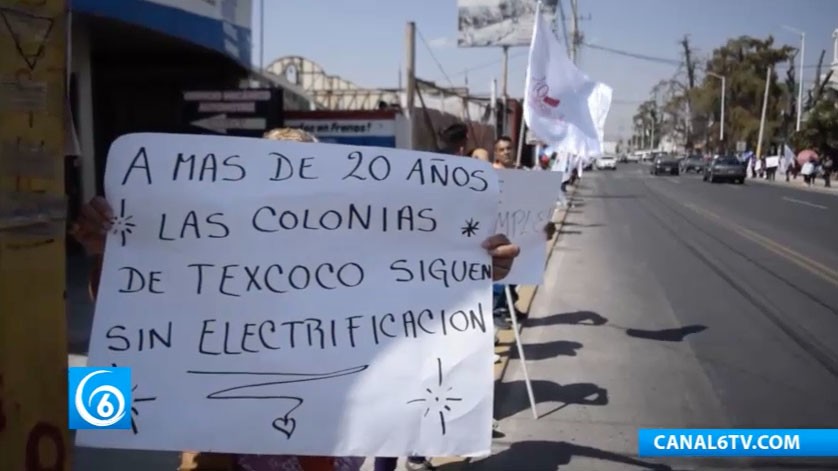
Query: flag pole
[[514, 316]]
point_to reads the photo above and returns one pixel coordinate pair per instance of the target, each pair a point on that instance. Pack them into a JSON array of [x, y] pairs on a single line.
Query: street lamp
[[800, 72], [722, 112]]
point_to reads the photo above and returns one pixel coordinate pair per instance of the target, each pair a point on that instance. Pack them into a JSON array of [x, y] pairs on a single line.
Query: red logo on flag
[[551, 102]]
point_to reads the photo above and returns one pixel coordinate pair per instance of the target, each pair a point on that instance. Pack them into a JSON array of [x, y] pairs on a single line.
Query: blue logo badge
[[100, 398]]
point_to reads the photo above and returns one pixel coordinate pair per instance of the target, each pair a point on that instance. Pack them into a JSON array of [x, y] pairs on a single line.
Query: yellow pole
[[33, 331]]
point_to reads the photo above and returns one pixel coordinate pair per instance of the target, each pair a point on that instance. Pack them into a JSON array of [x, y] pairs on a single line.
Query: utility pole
[[504, 84], [690, 65], [574, 30], [33, 213], [764, 108], [262, 36], [410, 91]]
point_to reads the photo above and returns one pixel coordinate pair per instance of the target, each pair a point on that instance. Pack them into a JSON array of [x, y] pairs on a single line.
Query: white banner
[[297, 298], [562, 105], [527, 202]]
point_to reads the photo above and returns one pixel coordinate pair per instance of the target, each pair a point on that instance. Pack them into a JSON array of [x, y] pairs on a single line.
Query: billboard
[[221, 25], [485, 23]]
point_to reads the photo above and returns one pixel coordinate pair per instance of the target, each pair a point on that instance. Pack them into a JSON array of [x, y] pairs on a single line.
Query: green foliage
[[744, 62], [820, 129]]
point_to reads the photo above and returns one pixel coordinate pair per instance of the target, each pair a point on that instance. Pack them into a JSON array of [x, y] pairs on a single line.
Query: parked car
[[606, 162], [623, 158], [693, 163], [634, 157], [725, 169], [664, 164]]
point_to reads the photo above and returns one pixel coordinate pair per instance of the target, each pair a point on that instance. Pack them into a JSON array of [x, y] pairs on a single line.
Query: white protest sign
[[297, 298], [527, 202]]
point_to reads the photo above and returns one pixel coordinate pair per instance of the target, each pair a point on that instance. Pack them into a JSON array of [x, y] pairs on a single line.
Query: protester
[[808, 172], [503, 157], [91, 231], [827, 167]]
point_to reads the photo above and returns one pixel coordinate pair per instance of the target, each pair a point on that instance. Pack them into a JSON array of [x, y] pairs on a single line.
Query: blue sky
[[363, 40]]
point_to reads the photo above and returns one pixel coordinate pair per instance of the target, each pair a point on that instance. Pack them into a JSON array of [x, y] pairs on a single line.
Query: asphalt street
[[674, 303]]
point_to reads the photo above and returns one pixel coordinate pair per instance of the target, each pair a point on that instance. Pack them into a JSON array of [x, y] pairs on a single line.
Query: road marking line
[[805, 203], [812, 266]]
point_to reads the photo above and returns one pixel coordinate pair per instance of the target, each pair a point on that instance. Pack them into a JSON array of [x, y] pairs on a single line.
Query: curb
[[794, 185]]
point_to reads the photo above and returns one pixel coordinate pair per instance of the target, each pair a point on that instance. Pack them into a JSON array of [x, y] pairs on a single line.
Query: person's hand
[[503, 253], [93, 225]]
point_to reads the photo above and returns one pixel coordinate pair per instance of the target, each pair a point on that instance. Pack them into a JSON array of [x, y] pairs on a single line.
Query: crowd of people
[[95, 221], [811, 170]]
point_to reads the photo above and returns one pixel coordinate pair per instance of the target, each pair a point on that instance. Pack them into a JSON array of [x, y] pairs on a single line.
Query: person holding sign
[[91, 229]]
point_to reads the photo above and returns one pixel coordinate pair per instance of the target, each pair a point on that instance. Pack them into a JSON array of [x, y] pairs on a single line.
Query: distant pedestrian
[[827, 170], [808, 172]]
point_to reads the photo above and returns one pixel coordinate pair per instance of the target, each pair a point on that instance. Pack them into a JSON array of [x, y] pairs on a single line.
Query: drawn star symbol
[[470, 228], [134, 411], [437, 400], [122, 224]]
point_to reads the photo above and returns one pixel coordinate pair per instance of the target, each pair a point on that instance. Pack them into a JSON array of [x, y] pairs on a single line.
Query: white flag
[[562, 105]]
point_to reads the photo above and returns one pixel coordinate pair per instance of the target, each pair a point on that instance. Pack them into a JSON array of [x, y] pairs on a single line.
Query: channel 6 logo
[[99, 397]]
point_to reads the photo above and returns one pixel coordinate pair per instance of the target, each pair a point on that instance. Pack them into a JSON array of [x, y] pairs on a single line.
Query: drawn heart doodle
[[286, 425]]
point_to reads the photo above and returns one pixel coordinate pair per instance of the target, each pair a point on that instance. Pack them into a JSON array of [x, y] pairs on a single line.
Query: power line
[[433, 56], [634, 55], [484, 65]]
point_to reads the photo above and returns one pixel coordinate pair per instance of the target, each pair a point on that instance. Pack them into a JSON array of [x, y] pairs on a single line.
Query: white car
[[606, 162]]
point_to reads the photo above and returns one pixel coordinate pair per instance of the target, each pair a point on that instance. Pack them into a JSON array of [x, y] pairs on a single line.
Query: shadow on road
[[515, 399], [614, 197], [547, 350], [567, 318], [549, 456], [573, 224], [666, 335], [571, 232]]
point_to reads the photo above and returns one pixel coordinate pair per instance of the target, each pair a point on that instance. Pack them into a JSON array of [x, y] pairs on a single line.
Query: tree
[[743, 62], [691, 108], [647, 120], [820, 130]]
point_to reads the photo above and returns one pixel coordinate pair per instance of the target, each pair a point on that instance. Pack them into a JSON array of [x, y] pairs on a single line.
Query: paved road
[[670, 302]]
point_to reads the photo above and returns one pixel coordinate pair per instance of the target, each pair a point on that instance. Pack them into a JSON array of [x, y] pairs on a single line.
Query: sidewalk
[[798, 184]]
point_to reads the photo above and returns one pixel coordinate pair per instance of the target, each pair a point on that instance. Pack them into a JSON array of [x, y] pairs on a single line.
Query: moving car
[[664, 164], [725, 169], [606, 162], [634, 157], [693, 163]]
